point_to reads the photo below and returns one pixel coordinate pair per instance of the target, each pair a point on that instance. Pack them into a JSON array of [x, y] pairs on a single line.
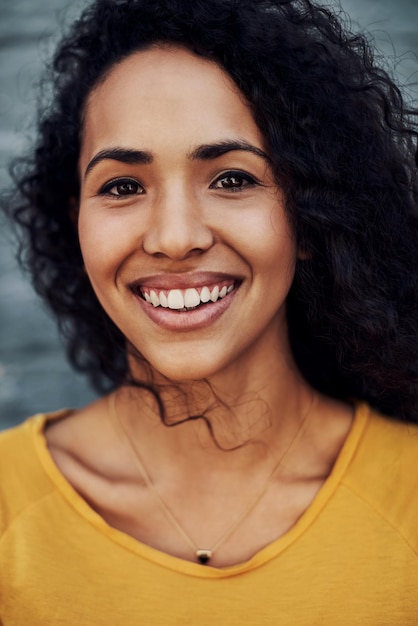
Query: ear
[[304, 255]]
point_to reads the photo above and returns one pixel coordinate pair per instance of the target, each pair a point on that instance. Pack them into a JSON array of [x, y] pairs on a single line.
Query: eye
[[234, 181], [122, 187]]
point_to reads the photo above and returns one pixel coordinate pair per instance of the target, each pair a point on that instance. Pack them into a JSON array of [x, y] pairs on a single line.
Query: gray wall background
[[34, 375]]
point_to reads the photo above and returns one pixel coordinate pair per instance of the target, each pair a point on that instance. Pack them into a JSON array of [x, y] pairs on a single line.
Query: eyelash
[[243, 178], [237, 174], [118, 182]]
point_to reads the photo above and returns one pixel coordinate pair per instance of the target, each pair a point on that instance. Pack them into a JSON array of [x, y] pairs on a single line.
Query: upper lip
[[182, 281]]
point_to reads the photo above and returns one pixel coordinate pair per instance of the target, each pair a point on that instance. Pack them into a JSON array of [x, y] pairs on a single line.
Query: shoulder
[[23, 479], [16, 449], [387, 445], [384, 470]]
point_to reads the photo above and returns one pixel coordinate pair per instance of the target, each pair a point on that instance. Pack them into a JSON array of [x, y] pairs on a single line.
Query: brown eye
[[122, 187], [125, 189], [233, 181]]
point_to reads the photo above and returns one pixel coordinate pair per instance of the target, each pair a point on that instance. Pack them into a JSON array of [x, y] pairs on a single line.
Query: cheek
[[282, 238], [269, 243], [102, 251], [102, 242], [91, 244], [279, 263]]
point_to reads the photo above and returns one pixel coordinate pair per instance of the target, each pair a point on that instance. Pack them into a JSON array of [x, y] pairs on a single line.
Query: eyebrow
[[205, 152], [210, 151], [123, 155]]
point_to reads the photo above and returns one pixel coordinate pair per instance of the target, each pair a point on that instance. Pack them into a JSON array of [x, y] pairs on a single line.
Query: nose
[[177, 228]]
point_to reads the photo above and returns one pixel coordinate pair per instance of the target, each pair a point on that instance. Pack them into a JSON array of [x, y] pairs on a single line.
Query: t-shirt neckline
[[84, 511]]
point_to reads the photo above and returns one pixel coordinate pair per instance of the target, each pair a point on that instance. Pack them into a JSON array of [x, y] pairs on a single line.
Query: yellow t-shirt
[[351, 559]]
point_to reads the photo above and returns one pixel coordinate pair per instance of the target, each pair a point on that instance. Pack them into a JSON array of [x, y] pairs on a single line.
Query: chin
[[178, 369], [187, 373]]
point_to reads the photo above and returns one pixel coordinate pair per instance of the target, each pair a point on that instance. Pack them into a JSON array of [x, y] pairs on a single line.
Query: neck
[[206, 482], [236, 411]]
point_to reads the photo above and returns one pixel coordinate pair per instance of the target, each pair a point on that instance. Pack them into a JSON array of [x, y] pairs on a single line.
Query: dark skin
[[205, 496], [181, 218]]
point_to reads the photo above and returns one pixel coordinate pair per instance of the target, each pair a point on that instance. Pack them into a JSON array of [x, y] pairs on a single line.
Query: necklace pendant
[[204, 556]]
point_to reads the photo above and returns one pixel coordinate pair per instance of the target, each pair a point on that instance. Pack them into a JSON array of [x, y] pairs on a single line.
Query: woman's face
[[183, 231]]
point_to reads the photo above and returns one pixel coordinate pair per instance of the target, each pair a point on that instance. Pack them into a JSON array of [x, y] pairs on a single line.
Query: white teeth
[[214, 293], [191, 298], [154, 298], [163, 299], [205, 294], [175, 299], [178, 299]]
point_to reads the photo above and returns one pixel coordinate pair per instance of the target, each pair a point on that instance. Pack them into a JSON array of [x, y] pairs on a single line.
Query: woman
[[221, 212]]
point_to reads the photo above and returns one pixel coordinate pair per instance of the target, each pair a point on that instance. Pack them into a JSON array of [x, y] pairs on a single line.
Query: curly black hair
[[344, 149]]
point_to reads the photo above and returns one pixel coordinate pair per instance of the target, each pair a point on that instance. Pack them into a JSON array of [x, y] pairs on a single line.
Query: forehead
[[166, 94]]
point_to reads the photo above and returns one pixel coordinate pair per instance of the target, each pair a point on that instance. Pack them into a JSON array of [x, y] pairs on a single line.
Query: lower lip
[[186, 321]]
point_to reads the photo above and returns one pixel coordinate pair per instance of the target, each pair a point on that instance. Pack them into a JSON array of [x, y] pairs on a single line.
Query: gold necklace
[[203, 555]]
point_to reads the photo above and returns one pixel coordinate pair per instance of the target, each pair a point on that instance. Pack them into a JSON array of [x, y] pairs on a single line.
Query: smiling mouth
[[181, 300]]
